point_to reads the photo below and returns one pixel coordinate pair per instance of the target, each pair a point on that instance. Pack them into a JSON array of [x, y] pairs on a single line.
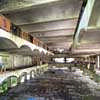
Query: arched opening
[[42, 55], [25, 50], [38, 71], [22, 57], [10, 82], [27, 54], [7, 45], [22, 77], [32, 74]]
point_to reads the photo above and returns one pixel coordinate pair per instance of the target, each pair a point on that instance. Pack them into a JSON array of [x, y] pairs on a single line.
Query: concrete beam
[[90, 36], [62, 45], [88, 49], [48, 26], [95, 16], [85, 16], [59, 43], [62, 32], [56, 39], [58, 47], [69, 55]]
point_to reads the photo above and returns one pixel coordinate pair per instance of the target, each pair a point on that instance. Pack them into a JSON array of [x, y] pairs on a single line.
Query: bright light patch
[[69, 59], [22, 80], [61, 60], [28, 77], [60, 50]]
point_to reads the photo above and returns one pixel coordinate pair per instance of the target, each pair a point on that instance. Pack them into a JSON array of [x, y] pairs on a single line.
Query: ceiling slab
[[95, 16], [48, 26], [64, 9], [62, 32], [11, 5], [52, 21], [56, 39]]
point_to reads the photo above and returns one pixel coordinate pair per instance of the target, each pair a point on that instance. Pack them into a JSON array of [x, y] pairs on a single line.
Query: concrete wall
[[14, 60]]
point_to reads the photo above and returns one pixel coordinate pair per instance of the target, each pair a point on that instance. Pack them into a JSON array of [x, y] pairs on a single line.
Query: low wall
[[13, 78]]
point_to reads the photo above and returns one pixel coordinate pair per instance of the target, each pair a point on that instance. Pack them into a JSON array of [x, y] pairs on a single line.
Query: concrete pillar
[[13, 61], [88, 65], [32, 74], [9, 82], [65, 59], [25, 77], [19, 80], [98, 61]]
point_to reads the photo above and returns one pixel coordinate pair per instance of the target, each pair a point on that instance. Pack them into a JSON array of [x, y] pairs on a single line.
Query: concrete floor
[[56, 84]]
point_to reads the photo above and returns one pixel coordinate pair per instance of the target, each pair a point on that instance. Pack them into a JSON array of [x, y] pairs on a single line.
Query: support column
[[88, 65], [98, 63], [9, 82], [65, 59]]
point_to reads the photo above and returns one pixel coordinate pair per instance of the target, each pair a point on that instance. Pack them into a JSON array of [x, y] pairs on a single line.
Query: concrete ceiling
[[49, 26], [43, 13], [95, 16], [89, 39], [59, 32], [52, 21]]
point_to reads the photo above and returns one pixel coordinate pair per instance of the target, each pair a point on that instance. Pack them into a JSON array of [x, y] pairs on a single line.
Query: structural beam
[[62, 32], [56, 39], [52, 25], [84, 19], [90, 36], [69, 55], [51, 21], [94, 21]]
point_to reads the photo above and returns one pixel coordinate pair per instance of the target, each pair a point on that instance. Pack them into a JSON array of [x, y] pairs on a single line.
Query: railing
[[13, 78]]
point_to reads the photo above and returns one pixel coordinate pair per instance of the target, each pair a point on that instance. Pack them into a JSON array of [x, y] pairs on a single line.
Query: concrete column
[[9, 82], [88, 65], [19, 80], [98, 63], [65, 59]]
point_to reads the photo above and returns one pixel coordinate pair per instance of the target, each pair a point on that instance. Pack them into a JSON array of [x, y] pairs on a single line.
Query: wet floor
[[55, 84]]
